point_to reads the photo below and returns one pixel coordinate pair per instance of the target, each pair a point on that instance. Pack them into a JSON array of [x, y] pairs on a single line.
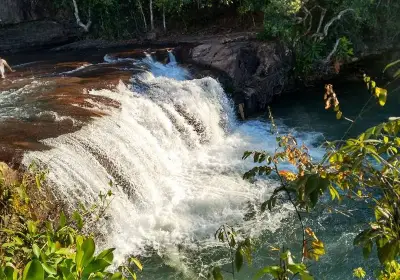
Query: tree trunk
[[163, 15], [144, 17], [151, 15], [86, 26]]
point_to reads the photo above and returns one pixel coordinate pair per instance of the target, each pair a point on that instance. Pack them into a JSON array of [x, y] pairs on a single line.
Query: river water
[[172, 147]]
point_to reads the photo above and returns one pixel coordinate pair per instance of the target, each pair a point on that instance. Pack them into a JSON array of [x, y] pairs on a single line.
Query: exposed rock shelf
[[258, 70]]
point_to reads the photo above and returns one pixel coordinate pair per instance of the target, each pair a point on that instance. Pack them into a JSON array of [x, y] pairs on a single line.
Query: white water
[[77, 69], [173, 149], [9, 99], [57, 118], [170, 70]]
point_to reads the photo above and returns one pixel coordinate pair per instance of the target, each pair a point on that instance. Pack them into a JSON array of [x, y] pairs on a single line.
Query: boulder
[[258, 70], [33, 35], [16, 11]]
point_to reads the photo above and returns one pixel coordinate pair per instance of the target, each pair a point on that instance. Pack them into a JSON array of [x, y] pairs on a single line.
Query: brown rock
[[259, 70]]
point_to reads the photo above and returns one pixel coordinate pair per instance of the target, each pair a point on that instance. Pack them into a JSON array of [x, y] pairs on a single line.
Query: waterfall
[[173, 150], [170, 70], [171, 57]]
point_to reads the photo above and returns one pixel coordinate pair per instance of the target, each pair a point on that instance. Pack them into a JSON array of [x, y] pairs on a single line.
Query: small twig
[[347, 119], [295, 207]]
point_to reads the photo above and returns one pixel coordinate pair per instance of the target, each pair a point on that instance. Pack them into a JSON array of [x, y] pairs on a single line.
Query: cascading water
[[170, 70], [173, 150]]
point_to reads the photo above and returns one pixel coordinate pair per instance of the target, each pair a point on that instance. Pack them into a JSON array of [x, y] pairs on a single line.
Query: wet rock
[[62, 104], [258, 70]]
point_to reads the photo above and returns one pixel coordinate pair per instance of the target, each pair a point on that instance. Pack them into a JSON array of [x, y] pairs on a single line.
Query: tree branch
[[78, 19], [338, 17], [329, 57], [308, 14], [321, 19]]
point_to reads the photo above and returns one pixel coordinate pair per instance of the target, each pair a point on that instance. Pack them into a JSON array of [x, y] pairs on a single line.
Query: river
[[172, 147]]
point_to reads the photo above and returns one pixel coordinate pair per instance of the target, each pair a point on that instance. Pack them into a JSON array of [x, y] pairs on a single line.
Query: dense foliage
[[322, 35], [38, 241]]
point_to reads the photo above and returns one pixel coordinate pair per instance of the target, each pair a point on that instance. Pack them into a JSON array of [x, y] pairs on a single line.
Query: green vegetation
[[38, 243], [365, 168], [322, 35]]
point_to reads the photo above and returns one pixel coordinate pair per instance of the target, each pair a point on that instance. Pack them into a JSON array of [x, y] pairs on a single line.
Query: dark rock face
[[258, 70], [34, 35], [16, 11], [24, 25]]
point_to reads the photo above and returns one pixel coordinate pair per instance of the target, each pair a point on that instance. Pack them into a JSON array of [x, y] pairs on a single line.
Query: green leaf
[[78, 219], [391, 65], [367, 249], [381, 213], [33, 271], [137, 263], [88, 248], [334, 193], [314, 198], [246, 250], [396, 75], [8, 245], [49, 269], [262, 158], [95, 266], [274, 271], [10, 273], [31, 227], [117, 275], [36, 250], [246, 155], [133, 274], [336, 158], [385, 139], [387, 253], [306, 276], [238, 259], [107, 255], [64, 251], [297, 267], [18, 241], [38, 182], [63, 220], [217, 275], [364, 236], [311, 184]]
